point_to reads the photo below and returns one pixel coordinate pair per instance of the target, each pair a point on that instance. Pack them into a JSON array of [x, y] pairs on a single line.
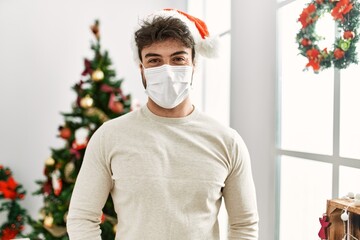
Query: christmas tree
[[99, 98]]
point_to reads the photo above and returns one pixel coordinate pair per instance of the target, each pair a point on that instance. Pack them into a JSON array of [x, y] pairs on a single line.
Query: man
[[167, 165]]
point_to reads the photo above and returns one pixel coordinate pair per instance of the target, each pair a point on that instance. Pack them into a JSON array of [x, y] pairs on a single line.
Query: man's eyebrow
[[152, 55], [178, 53], [158, 55]]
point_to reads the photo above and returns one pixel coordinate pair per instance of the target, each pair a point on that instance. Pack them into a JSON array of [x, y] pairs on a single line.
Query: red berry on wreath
[[338, 53], [305, 42], [349, 34]]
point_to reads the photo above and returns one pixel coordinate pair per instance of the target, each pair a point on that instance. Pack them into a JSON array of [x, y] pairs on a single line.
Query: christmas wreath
[[10, 193], [343, 52]]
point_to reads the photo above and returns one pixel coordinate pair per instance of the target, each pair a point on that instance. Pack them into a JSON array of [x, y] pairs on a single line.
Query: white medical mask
[[168, 85]]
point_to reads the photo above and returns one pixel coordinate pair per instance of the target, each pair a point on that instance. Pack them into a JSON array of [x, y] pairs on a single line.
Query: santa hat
[[205, 45]]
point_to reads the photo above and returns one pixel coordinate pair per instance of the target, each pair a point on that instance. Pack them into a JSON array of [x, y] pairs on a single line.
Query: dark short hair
[[162, 28]]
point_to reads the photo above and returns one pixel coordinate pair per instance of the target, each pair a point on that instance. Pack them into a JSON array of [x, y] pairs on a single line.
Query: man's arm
[[240, 196], [90, 193]]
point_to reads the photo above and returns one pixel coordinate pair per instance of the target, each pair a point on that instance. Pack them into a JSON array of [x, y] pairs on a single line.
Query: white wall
[[42, 46], [252, 110]]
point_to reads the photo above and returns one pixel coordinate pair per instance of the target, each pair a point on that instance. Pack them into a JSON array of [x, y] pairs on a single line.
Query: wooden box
[[337, 229]]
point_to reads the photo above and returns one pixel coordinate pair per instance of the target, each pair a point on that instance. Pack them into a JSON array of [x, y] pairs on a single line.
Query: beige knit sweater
[[167, 177]]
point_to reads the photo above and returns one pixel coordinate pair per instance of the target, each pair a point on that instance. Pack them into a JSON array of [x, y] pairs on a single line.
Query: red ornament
[[103, 218], [79, 146], [8, 234], [65, 132], [47, 188], [114, 105], [324, 224], [56, 182]]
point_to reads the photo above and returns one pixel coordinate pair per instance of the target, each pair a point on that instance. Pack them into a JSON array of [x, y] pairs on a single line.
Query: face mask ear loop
[[191, 82]]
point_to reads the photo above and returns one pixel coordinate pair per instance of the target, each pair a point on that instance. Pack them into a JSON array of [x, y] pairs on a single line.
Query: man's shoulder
[[214, 125], [123, 121]]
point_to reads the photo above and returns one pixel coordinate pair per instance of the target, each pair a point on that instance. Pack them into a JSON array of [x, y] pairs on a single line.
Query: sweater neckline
[[168, 120]]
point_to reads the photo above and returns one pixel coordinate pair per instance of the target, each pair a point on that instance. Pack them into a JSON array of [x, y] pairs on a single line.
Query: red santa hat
[[205, 45]]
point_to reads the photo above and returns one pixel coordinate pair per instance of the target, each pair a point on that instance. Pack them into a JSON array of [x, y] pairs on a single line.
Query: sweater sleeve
[[240, 196], [90, 193]]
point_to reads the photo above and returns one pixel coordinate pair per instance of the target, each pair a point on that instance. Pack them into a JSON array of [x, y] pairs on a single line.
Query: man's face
[[171, 52]]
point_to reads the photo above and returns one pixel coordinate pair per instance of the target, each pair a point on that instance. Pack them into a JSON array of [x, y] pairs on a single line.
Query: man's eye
[[154, 60], [179, 60]]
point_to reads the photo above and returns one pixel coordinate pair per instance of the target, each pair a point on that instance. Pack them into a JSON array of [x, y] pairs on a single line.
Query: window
[[318, 145], [212, 78]]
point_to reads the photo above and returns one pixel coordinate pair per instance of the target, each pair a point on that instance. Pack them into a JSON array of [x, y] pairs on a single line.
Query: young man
[[168, 166]]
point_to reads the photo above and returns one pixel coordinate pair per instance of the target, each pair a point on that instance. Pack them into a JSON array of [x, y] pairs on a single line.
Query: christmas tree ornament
[[97, 75], [114, 228], [88, 69], [64, 132], [65, 216], [47, 188], [86, 102], [81, 138], [342, 53], [48, 221], [68, 172], [49, 161], [56, 231], [82, 135], [56, 182], [114, 105], [96, 112], [95, 29]]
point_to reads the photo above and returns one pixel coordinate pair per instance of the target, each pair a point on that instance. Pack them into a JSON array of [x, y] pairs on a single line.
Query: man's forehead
[[166, 48]]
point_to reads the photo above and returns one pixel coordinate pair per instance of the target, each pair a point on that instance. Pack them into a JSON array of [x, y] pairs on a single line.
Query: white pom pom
[[208, 47]]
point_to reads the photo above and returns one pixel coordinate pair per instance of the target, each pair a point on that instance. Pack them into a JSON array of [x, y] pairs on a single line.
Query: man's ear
[[142, 76]]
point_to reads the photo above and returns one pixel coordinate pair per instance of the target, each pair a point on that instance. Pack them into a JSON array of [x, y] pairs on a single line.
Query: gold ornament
[[68, 171], [48, 221], [97, 75], [65, 217], [49, 162], [92, 112], [56, 231], [86, 102], [114, 228]]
